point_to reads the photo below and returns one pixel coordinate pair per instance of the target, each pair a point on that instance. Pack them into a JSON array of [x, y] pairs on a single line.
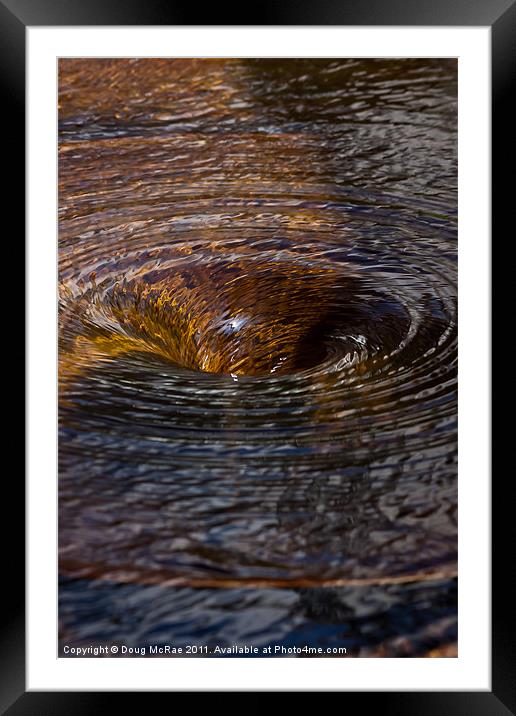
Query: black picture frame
[[15, 17]]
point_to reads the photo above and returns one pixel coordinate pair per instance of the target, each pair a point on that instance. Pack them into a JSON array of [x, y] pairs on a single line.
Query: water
[[258, 353]]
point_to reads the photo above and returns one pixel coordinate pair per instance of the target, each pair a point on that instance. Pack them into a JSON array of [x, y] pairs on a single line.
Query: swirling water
[[258, 345]]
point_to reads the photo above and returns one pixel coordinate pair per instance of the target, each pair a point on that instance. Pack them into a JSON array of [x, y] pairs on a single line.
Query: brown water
[[257, 295]]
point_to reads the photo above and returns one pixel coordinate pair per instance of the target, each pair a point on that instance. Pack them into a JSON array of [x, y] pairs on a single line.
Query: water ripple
[[258, 322]]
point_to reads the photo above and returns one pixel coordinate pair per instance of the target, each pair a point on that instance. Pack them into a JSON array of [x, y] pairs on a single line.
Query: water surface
[[258, 352]]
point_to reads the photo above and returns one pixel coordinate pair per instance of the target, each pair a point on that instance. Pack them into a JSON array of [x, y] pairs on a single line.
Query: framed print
[[259, 399]]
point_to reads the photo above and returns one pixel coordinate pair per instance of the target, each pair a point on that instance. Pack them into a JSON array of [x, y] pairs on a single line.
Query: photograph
[[258, 371], [257, 357]]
